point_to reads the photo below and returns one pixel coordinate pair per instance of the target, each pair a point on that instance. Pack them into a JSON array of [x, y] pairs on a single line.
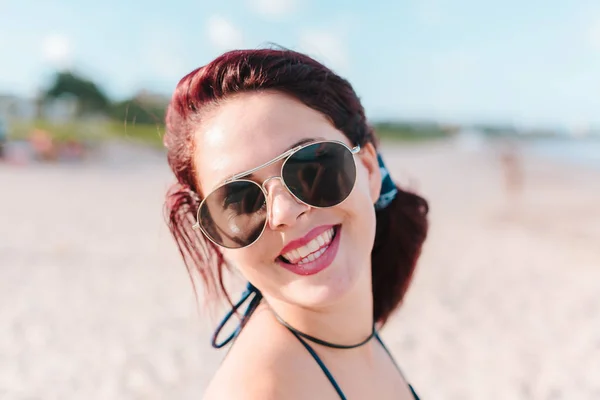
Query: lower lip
[[318, 265]]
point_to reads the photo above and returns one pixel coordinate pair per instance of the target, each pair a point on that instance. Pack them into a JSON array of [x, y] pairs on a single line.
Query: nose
[[284, 208]]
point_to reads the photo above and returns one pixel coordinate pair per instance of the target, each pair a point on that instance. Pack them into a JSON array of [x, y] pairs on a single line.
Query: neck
[[346, 322]]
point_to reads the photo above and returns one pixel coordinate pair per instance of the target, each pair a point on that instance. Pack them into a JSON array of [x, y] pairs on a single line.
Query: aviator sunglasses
[[319, 174]]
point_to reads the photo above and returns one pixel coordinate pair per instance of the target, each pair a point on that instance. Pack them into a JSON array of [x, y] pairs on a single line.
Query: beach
[[95, 302]]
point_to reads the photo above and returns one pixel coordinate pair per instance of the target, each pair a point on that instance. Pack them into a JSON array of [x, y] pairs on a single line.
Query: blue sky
[[524, 62]]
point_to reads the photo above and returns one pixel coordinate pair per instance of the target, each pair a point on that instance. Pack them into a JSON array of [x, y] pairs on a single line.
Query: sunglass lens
[[322, 174], [234, 215]]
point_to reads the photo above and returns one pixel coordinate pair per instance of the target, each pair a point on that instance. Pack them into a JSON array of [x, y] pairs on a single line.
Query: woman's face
[[250, 129]]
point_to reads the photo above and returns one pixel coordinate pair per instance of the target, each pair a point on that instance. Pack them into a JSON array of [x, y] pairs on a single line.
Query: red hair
[[401, 227]]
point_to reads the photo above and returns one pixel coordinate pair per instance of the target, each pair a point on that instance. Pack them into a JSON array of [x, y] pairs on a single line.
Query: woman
[[278, 176]]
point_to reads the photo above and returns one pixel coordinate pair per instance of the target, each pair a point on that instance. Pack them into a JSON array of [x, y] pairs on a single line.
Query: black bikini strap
[[389, 353], [250, 290], [321, 364], [397, 366]]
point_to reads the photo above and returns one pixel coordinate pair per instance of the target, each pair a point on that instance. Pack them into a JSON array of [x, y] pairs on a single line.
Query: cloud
[[326, 46], [223, 34], [58, 50], [273, 9]]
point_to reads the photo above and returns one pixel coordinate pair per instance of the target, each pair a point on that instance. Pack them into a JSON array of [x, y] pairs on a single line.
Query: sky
[[528, 63]]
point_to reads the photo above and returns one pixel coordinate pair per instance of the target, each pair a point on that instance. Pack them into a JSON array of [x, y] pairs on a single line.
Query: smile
[[311, 251], [314, 256]]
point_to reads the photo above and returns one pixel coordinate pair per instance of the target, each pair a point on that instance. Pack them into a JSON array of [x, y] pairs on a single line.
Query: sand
[[95, 302]]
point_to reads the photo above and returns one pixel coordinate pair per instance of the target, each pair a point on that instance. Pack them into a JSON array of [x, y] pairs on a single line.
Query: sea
[[579, 151]]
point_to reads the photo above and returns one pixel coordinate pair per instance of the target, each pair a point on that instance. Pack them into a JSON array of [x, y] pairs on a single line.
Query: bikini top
[[251, 290]]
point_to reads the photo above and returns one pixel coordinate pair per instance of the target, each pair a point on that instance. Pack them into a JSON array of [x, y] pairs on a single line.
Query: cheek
[[250, 262], [360, 206], [240, 258], [362, 189]]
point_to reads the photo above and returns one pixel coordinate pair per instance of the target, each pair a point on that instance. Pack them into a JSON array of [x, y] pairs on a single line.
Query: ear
[[368, 158]]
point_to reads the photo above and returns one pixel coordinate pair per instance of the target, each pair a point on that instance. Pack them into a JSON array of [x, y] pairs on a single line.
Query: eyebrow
[[250, 173], [304, 141]]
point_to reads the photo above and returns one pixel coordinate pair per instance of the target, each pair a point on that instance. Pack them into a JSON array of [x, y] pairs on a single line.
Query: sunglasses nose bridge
[[268, 192], [264, 184]]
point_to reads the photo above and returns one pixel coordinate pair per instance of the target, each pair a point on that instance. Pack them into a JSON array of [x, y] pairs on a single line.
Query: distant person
[[72, 150], [512, 169], [278, 176], [42, 145]]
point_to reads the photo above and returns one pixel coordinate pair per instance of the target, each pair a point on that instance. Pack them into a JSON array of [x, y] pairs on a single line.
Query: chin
[[341, 269], [329, 286]]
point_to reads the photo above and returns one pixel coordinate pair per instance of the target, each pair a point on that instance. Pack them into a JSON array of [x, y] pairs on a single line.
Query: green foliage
[[90, 99], [60, 132], [136, 112], [91, 132], [151, 134], [141, 118], [406, 131]]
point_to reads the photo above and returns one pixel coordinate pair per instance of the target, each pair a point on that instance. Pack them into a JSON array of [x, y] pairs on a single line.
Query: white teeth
[[321, 241], [313, 256], [310, 251], [303, 251]]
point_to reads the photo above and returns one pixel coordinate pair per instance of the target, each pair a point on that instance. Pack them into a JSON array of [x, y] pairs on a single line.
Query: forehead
[[249, 129]]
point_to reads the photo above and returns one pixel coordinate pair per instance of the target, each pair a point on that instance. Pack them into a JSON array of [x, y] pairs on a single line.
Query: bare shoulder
[[226, 384], [263, 364]]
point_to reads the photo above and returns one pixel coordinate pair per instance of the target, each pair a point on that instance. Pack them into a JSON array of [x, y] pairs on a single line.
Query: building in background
[[17, 108]]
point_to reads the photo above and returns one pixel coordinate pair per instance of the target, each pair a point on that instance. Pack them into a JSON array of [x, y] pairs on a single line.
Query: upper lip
[[294, 244]]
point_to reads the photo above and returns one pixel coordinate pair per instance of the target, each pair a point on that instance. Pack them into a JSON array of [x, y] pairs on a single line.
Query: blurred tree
[[410, 130], [134, 111], [143, 108], [90, 98]]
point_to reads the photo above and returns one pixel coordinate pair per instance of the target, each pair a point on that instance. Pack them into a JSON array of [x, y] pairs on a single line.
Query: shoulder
[[227, 385], [263, 364]]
